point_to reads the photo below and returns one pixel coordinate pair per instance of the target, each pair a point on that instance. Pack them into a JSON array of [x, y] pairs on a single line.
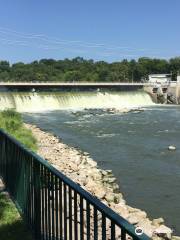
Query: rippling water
[[134, 146]]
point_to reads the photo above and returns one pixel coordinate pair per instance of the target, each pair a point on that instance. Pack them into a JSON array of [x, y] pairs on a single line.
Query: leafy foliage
[[79, 69], [11, 121]]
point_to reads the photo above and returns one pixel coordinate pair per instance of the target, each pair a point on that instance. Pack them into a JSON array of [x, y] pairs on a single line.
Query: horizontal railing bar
[[108, 212]]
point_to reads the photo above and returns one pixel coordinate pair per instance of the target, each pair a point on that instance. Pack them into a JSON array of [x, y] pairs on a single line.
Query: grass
[[11, 121], [12, 226]]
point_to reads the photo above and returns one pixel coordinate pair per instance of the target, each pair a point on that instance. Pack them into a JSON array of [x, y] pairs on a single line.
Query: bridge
[[80, 84]]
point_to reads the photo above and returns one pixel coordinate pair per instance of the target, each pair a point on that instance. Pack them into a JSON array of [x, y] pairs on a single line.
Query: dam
[[49, 96], [165, 92], [49, 101]]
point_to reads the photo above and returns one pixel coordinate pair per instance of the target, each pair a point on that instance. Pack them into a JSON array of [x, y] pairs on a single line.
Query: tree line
[[79, 69]]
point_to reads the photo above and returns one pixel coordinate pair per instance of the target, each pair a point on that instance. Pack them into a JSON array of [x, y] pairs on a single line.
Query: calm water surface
[[134, 146]]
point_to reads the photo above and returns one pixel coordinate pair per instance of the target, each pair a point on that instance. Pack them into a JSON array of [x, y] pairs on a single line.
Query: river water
[[134, 146]]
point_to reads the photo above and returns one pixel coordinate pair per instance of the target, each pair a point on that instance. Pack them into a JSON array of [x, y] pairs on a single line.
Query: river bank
[[101, 183]]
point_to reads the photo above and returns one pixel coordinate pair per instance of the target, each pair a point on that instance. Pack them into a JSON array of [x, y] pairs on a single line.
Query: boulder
[[117, 197], [109, 197], [158, 221], [172, 148], [156, 238], [100, 193], [104, 172], [175, 238], [121, 210], [136, 217], [147, 227], [163, 231]]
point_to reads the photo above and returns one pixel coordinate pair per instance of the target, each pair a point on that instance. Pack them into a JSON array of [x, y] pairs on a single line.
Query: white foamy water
[[38, 102]]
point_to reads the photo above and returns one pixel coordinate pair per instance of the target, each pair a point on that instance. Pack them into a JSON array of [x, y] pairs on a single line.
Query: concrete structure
[[159, 78], [178, 79], [77, 86], [161, 91], [69, 86], [35, 84]]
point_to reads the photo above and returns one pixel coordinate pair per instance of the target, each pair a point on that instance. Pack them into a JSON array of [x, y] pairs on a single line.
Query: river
[[134, 146]]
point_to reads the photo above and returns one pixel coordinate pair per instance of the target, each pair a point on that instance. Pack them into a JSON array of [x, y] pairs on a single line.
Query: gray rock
[[117, 197], [157, 221], [109, 197], [111, 180], [172, 148], [100, 193], [136, 217], [175, 238], [163, 231], [104, 172]]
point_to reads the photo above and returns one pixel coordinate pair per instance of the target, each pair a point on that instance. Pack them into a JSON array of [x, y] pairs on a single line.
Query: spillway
[[47, 101]]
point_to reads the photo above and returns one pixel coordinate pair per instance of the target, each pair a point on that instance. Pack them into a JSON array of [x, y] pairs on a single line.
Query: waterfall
[[47, 101]]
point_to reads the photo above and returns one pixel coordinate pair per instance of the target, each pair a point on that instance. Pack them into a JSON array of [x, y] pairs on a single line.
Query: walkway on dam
[[76, 84]]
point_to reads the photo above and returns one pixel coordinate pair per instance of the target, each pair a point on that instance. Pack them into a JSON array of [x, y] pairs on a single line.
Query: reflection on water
[[135, 147]]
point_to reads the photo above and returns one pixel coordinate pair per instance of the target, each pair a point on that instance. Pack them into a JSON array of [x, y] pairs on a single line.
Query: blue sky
[[108, 30]]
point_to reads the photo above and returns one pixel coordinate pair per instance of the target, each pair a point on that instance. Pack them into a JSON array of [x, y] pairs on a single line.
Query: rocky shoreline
[[82, 169]]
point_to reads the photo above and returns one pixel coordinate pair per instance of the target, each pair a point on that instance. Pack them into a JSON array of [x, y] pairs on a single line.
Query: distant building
[[159, 78], [178, 78]]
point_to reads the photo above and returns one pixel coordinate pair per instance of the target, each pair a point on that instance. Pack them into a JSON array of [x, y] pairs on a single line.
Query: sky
[[108, 30]]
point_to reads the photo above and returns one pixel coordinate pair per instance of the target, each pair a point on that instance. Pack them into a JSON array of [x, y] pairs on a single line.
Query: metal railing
[[52, 205]]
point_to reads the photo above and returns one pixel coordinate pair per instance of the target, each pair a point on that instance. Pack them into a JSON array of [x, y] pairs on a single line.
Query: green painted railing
[[52, 205]]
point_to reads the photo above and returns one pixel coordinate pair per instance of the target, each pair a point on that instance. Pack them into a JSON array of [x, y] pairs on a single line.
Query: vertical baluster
[[60, 209], [37, 200], [32, 177], [46, 203], [103, 227], [56, 206], [75, 217], [31, 192], [88, 220], [49, 204], [70, 213], [43, 199], [95, 224], [81, 219], [113, 231], [65, 211], [52, 205], [123, 234], [27, 190], [25, 184]]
